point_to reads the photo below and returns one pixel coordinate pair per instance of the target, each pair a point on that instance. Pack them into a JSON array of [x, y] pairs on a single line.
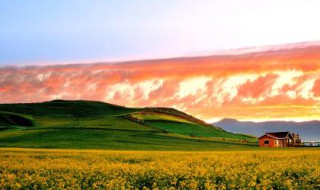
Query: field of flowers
[[80, 169]]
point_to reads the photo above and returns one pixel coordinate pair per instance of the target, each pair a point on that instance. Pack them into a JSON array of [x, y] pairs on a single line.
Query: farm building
[[280, 139]]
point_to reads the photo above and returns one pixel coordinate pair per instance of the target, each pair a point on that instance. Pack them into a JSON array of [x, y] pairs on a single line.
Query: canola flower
[[99, 169]]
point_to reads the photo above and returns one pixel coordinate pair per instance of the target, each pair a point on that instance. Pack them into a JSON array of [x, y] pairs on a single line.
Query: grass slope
[[11, 120], [63, 108], [97, 125]]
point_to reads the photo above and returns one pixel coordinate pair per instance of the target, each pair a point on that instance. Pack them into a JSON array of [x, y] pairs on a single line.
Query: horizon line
[[261, 120]]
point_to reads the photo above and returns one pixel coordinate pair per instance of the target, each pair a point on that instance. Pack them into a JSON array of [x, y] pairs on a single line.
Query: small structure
[[311, 144], [280, 139]]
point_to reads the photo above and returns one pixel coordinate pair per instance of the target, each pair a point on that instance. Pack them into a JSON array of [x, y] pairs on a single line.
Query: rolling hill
[[98, 125], [308, 130]]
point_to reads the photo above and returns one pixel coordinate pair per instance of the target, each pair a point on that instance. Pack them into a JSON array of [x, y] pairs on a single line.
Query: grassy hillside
[[97, 125], [63, 108], [12, 120], [182, 125]]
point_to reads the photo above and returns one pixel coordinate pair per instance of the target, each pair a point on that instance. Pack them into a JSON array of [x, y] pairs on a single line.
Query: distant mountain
[[308, 130]]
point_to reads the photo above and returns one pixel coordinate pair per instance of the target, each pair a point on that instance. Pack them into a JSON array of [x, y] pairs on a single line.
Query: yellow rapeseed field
[[79, 169]]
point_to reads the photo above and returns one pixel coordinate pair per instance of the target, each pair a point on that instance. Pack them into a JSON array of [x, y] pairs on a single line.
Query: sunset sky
[[210, 58]]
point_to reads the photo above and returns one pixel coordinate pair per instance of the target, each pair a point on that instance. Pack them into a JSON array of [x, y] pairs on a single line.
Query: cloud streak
[[261, 85]]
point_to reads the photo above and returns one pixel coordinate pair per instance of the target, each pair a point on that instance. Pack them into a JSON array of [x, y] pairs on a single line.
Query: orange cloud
[[271, 84], [166, 90], [258, 87], [316, 88]]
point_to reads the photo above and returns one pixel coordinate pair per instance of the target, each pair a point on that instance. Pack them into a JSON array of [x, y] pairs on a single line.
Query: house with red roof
[[279, 139]]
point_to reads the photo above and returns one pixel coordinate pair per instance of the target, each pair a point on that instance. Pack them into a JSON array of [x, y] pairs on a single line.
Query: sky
[[49, 32], [78, 50]]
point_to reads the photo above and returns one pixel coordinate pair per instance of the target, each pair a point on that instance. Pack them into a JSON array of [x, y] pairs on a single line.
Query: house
[[280, 139]]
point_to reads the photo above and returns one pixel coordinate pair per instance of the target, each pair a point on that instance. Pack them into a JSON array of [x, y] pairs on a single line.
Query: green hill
[[12, 120], [98, 125]]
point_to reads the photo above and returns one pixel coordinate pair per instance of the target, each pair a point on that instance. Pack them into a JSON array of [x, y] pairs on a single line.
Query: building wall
[[284, 143], [272, 142]]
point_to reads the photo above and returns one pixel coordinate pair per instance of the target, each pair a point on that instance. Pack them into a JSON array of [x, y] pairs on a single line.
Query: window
[[266, 142]]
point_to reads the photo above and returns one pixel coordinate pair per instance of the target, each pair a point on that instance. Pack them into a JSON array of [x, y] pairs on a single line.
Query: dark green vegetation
[[11, 120], [97, 125]]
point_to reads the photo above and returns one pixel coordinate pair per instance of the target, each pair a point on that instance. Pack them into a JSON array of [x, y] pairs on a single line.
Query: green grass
[[150, 116], [109, 139], [96, 125], [62, 108], [188, 129], [11, 120]]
